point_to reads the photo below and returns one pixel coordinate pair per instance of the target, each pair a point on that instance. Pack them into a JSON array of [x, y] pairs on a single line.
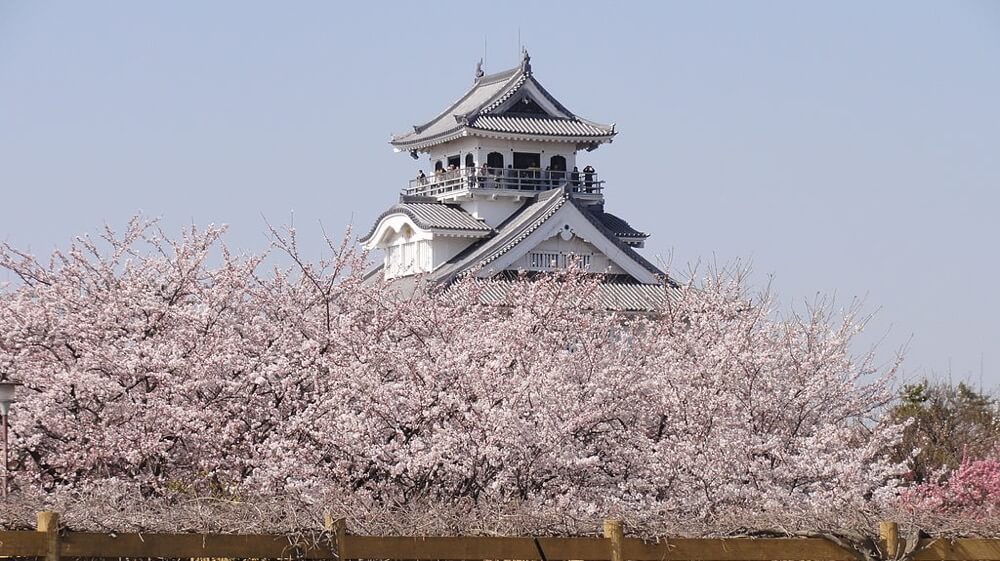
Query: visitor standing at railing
[[481, 175], [588, 178], [421, 178], [534, 173], [575, 178]]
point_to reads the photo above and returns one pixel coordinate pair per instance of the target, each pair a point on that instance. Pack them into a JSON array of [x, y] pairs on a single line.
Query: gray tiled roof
[[433, 216], [445, 127], [618, 225], [613, 292], [618, 292], [474, 113], [539, 126]]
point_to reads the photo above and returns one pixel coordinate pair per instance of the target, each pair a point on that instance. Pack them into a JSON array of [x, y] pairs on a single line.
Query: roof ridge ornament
[[525, 62], [479, 70]]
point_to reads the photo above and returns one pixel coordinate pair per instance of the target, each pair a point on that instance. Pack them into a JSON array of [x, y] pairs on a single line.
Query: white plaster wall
[[480, 147], [493, 212], [446, 247], [507, 147], [459, 147]]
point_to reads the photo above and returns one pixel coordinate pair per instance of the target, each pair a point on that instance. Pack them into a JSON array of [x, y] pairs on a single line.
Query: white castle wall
[[481, 147]]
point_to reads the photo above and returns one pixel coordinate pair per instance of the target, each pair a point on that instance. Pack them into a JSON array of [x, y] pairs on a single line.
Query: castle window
[[549, 260], [527, 160], [557, 163], [543, 260]]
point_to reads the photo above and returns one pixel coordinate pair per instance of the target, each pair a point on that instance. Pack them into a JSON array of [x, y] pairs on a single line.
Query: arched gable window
[[526, 106], [470, 162]]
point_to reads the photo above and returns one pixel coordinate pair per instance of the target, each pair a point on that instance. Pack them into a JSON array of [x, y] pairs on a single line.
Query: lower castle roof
[[618, 292]]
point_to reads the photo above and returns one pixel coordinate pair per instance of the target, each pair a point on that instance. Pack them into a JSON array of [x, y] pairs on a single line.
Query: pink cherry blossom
[[176, 366]]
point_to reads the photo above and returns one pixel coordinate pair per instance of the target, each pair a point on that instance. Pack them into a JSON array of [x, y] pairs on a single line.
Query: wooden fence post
[[48, 522], [888, 535], [613, 531], [339, 529]]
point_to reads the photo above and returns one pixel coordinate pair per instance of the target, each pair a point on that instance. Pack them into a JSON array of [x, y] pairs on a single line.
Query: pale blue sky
[[848, 147]]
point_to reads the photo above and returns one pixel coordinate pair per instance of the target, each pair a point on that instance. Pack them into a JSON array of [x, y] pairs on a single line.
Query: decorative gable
[[569, 233], [526, 106]]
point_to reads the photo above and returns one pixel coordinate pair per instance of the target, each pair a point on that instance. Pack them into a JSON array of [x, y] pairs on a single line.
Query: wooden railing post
[[888, 535], [613, 532], [48, 522]]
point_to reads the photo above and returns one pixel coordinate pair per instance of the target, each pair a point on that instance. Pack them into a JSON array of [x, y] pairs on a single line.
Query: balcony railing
[[499, 179]]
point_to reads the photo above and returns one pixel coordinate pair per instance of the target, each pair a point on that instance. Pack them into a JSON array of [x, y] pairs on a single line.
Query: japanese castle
[[505, 194]]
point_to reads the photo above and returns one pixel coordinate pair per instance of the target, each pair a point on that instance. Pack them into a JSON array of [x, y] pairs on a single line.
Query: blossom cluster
[[176, 366], [972, 489]]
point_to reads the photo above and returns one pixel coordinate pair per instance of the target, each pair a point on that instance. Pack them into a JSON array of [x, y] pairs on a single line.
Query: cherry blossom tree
[[180, 369]]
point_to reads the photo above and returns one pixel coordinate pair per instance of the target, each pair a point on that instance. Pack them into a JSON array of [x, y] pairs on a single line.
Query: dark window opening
[[454, 161], [527, 160], [470, 162], [438, 165], [557, 167], [494, 160]]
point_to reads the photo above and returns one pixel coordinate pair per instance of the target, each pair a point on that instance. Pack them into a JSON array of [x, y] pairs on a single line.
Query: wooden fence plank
[[958, 550], [84, 544], [23, 544], [736, 549], [468, 548]]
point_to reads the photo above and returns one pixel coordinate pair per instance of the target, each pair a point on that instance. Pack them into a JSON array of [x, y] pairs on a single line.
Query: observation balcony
[[494, 182]]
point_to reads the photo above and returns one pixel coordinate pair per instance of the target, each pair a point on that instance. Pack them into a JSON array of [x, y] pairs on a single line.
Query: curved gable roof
[[477, 110], [432, 216]]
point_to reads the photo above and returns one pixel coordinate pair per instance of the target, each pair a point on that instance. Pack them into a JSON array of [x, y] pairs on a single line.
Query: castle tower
[[506, 189]]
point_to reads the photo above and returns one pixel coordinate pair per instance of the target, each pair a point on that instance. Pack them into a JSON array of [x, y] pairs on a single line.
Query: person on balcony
[[588, 178], [421, 178], [574, 176], [533, 174], [482, 174]]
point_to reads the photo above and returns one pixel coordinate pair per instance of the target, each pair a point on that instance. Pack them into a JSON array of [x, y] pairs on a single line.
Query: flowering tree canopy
[[945, 424], [181, 369]]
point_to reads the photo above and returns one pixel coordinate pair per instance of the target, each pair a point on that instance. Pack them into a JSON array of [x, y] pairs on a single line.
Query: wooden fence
[[51, 543]]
